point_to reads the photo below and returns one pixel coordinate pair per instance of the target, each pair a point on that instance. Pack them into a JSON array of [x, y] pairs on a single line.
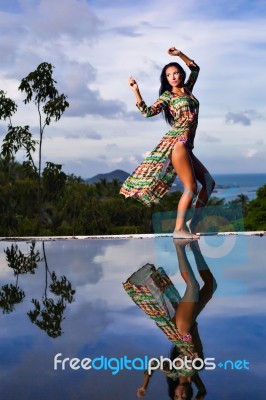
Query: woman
[[173, 156], [153, 291]]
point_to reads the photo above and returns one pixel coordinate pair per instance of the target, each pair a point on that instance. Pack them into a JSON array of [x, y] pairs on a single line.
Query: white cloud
[[48, 19], [112, 147], [209, 138], [243, 117], [237, 118], [89, 135], [95, 47], [249, 153], [117, 160]]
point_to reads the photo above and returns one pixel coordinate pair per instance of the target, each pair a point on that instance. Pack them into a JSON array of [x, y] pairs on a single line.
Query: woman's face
[[174, 77], [181, 392]]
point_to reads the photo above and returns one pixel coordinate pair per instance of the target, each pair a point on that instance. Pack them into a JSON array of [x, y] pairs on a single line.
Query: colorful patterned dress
[[152, 179], [153, 291]]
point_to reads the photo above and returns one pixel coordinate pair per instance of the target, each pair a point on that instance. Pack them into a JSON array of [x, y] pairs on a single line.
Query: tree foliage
[[256, 214], [72, 207], [40, 88]]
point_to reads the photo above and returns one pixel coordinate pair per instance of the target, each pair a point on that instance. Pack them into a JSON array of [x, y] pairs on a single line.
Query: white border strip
[[129, 236]]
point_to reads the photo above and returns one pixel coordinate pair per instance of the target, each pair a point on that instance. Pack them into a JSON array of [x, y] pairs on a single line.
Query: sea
[[230, 186]]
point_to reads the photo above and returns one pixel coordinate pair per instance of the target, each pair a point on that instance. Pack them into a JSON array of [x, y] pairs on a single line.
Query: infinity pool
[[64, 299]]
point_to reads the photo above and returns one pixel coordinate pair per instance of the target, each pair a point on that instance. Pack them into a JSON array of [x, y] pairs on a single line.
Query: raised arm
[[142, 390], [155, 108], [200, 386], [134, 87], [194, 68]]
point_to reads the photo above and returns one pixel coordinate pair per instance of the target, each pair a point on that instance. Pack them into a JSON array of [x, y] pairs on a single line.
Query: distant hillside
[[122, 176], [117, 174]]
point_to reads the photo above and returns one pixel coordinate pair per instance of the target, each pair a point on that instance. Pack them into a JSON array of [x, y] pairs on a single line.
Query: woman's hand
[[134, 87], [173, 51], [132, 83], [141, 392]]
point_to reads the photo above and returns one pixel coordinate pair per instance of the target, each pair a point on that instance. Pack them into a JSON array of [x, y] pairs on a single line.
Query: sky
[[95, 46]]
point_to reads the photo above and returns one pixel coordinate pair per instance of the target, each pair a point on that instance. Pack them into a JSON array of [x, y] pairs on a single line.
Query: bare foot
[[182, 234], [180, 244]]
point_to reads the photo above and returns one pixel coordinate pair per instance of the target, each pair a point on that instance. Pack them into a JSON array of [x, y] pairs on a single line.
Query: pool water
[[64, 309]]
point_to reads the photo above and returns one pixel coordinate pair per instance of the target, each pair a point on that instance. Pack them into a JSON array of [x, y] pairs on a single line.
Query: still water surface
[[77, 284]]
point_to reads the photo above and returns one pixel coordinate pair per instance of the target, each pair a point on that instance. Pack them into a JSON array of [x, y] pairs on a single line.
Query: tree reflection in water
[[48, 312], [9, 296], [20, 263]]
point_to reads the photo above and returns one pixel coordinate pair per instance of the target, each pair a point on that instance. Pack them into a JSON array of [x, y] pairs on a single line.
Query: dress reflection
[[153, 291]]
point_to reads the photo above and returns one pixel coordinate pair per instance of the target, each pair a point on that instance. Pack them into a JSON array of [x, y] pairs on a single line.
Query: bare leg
[[207, 182], [210, 285], [182, 164], [194, 300], [185, 315]]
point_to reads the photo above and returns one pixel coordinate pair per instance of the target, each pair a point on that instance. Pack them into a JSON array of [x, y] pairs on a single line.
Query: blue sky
[[96, 45]]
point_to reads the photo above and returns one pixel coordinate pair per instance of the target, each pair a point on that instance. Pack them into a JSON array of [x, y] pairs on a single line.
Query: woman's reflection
[[153, 291]]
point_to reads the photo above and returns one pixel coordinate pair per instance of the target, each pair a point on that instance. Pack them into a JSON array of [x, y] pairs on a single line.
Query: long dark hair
[[172, 384], [165, 86]]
